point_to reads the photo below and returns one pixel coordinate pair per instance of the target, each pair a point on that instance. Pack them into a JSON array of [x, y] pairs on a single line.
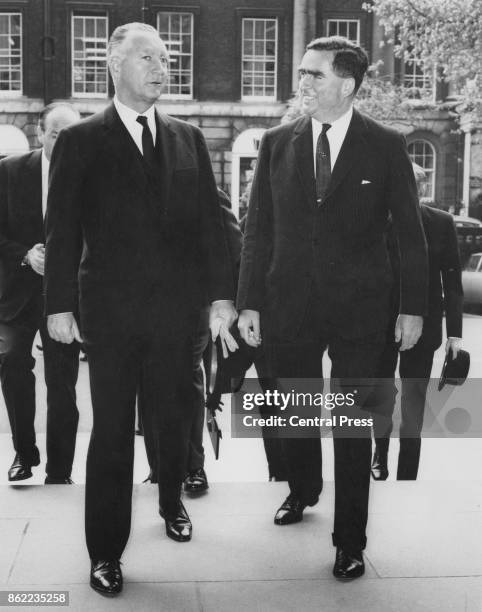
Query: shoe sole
[[106, 593], [26, 477], [282, 523], [196, 491], [348, 578], [179, 538]]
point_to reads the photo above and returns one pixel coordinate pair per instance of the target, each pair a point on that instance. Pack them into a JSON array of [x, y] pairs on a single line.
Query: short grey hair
[[119, 34]]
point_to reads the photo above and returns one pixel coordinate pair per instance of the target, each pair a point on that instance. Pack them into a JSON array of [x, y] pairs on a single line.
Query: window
[[10, 54], [417, 77], [89, 56], [176, 30], [349, 28], [259, 58], [422, 153]]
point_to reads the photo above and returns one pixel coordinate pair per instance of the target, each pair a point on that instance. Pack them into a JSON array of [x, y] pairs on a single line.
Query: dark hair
[[349, 59], [49, 108]]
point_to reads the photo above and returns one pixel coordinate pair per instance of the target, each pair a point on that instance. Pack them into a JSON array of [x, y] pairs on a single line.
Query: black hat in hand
[[454, 370]]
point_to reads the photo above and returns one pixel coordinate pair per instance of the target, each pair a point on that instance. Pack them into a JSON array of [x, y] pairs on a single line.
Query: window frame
[[263, 98], [344, 20], [428, 93], [431, 173], [77, 12], [180, 10], [16, 93]]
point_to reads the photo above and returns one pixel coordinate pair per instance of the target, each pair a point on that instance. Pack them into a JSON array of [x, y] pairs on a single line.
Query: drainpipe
[[48, 52]]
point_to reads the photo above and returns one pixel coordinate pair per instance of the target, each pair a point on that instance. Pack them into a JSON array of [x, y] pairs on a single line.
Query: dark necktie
[[147, 144], [323, 164]]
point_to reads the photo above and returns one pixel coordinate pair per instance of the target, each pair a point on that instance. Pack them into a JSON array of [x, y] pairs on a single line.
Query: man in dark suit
[[135, 230], [23, 197], [444, 293], [315, 273]]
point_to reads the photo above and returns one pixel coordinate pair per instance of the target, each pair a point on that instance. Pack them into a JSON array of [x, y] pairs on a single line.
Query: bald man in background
[[23, 200]]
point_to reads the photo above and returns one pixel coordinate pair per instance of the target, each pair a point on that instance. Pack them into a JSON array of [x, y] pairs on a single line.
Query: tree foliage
[[446, 34]]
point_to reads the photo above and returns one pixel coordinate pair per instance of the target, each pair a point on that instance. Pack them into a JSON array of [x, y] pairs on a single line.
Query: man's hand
[[454, 345], [408, 329], [221, 316], [249, 327], [36, 258], [62, 327]]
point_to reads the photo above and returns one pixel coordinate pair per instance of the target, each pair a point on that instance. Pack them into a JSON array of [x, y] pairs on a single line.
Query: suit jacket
[[291, 243], [21, 226], [445, 277], [127, 240]]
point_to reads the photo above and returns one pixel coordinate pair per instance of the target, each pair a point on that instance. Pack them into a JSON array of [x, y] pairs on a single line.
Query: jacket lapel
[[120, 146], [352, 150], [303, 147], [167, 155], [33, 180]]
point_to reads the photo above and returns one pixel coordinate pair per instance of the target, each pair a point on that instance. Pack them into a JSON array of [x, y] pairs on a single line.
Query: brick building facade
[[233, 68]]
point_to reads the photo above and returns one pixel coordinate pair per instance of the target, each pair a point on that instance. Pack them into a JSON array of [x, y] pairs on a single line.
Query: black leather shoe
[[178, 526], [21, 469], [106, 577], [196, 482], [379, 466], [291, 511], [348, 565], [52, 480]]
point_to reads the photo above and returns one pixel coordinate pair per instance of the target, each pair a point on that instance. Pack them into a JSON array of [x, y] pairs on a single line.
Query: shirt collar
[[45, 162], [338, 127], [129, 115]]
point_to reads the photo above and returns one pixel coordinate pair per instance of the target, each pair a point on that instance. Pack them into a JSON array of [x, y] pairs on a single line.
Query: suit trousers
[[354, 364], [195, 458], [163, 361], [415, 369], [61, 367]]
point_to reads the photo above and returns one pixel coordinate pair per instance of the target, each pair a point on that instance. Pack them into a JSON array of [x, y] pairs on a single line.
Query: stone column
[[300, 24]]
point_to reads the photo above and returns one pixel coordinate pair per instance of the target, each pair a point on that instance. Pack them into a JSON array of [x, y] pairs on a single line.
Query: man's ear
[[114, 66], [348, 87], [40, 134]]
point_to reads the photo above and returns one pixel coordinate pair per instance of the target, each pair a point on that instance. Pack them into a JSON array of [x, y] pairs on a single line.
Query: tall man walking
[[315, 273], [135, 232], [23, 200]]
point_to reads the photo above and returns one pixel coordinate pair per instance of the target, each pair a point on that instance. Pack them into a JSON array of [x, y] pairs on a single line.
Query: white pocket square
[[364, 182]]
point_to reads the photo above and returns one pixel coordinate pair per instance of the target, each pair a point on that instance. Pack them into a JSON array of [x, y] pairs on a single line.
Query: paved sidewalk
[[424, 551]]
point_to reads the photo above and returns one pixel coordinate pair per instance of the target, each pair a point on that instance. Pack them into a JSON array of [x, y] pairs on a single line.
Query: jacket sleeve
[[63, 227], [258, 238], [11, 252], [407, 222], [214, 246], [451, 271]]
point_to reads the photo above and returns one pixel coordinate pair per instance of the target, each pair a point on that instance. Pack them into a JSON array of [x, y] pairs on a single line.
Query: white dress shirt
[[336, 135], [45, 182], [129, 116]]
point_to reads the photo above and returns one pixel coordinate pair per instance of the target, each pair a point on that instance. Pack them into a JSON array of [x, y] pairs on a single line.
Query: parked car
[[472, 282], [466, 221]]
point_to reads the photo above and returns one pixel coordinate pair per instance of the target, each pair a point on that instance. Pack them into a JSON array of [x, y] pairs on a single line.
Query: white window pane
[[89, 65], [11, 52], [176, 30], [259, 58]]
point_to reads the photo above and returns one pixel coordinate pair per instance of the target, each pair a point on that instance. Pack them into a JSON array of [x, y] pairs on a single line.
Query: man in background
[[445, 294], [23, 199]]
